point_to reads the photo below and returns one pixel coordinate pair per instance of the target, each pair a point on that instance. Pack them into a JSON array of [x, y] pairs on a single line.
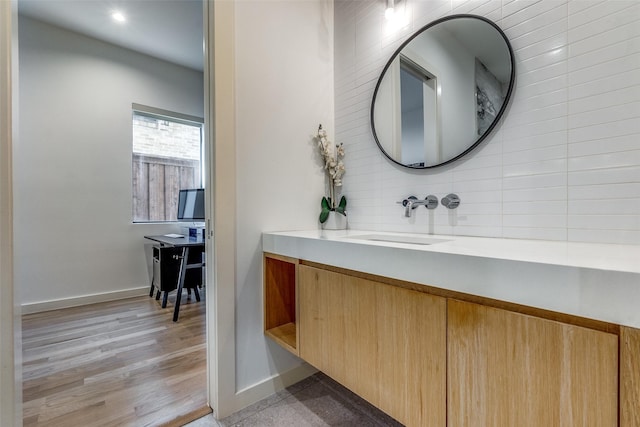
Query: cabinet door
[[385, 343], [510, 369], [630, 377]]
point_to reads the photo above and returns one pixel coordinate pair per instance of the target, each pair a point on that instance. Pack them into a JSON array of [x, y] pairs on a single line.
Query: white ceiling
[[167, 29]]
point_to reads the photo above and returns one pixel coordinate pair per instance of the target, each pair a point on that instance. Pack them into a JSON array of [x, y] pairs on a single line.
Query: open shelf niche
[[280, 282]]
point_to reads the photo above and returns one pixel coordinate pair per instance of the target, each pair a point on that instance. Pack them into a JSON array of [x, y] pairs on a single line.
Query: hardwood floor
[[122, 363]]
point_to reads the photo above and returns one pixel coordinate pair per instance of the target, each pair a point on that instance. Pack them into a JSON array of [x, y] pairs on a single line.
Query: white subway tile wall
[[564, 164]]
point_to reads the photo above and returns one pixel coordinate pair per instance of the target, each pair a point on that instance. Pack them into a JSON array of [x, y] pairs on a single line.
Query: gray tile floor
[[314, 402]]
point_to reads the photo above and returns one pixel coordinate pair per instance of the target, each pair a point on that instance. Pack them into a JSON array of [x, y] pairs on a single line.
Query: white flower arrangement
[[334, 167]]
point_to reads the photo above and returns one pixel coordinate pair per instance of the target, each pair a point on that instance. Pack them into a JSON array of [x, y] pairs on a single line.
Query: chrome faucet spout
[[408, 207], [408, 204], [412, 202]]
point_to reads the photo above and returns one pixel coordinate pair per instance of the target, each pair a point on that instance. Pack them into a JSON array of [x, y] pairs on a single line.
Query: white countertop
[[597, 281]]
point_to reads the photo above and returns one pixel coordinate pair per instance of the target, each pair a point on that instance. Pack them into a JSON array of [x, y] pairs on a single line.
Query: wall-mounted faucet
[[412, 202]]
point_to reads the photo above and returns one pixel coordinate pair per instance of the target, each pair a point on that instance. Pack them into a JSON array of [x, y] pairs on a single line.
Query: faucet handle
[[451, 201], [431, 201]]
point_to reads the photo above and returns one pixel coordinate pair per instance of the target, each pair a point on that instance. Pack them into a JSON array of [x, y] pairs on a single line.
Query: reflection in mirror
[[418, 112], [443, 91]]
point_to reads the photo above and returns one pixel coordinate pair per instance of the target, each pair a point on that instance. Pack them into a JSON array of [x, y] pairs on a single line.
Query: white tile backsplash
[[533, 182], [537, 206], [605, 161], [535, 115], [540, 128], [535, 168], [610, 206], [546, 91], [545, 59], [594, 66], [604, 131], [564, 164], [604, 176], [630, 110], [535, 194], [623, 222], [611, 39], [615, 81], [605, 192], [535, 220], [596, 13], [608, 235], [546, 233], [613, 98], [538, 34], [533, 143], [536, 154]]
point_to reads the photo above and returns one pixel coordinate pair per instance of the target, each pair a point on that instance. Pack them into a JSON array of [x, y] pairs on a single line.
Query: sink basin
[[412, 240]]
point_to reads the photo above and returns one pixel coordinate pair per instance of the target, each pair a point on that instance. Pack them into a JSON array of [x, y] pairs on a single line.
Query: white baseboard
[[266, 388], [37, 307]]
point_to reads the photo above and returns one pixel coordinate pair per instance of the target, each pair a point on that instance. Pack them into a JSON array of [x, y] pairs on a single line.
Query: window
[[167, 157]]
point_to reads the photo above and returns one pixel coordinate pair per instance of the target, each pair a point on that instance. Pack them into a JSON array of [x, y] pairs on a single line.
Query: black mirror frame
[[498, 116]]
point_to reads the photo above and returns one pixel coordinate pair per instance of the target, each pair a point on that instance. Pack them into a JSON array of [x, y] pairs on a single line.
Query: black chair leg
[[181, 273], [197, 294], [164, 299]]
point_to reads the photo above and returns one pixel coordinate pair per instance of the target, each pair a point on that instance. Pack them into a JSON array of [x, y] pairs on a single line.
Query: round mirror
[[442, 91]]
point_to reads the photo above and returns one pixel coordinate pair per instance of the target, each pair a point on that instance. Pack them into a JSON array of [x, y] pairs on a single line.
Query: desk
[[176, 261]]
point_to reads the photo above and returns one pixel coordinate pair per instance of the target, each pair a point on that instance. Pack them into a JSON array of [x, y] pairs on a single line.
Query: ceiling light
[[118, 16]]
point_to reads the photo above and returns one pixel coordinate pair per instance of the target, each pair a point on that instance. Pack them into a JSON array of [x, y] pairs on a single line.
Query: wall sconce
[[388, 12], [397, 16]]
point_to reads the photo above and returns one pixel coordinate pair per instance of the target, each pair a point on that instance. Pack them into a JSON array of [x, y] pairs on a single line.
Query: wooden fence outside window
[[156, 184]]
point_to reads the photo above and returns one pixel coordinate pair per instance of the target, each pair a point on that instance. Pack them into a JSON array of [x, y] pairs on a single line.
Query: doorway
[[78, 198]]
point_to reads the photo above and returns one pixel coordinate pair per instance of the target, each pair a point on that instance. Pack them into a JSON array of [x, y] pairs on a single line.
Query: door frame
[[10, 325], [220, 119]]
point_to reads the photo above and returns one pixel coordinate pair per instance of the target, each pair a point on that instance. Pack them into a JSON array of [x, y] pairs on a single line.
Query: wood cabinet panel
[[322, 322], [385, 343], [629, 377], [510, 369]]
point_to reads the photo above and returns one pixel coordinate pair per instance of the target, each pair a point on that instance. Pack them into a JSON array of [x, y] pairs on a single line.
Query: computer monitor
[[191, 205]]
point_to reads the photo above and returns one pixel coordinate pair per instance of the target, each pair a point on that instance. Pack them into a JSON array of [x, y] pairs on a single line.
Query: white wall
[[284, 89], [73, 231], [564, 164]]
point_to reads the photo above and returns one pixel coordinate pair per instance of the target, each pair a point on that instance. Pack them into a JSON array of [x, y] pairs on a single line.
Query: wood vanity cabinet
[[511, 369], [431, 357], [386, 344]]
